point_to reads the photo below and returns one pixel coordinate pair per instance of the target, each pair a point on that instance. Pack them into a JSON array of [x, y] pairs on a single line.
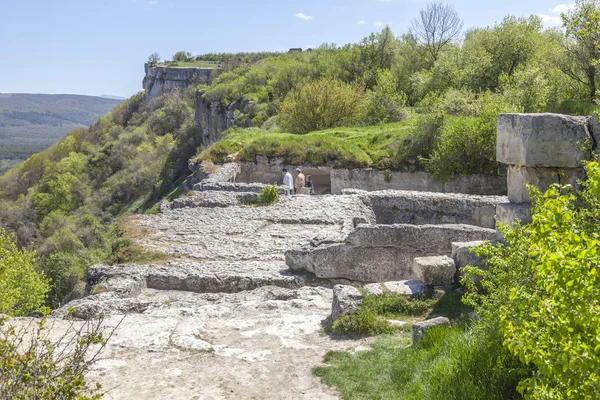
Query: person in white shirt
[[288, 181]]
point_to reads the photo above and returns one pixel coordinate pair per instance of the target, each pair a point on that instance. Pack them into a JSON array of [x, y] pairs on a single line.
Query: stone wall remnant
[[541, 150]]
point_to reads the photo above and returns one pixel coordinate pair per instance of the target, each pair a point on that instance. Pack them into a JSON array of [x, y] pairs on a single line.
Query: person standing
[[288, 181], [300, 181], [309, 188]]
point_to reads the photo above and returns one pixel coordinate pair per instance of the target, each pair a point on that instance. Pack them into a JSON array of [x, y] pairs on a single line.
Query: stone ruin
[[236, 308]]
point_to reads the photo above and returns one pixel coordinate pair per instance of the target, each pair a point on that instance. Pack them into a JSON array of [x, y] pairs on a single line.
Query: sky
[[99, 47]]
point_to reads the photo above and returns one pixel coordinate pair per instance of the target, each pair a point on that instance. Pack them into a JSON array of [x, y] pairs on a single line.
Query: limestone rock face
[[374, 253], [435, 270], [542, 178], [420, 328], [162, 79], [462, 256], [507, 213], [346, 299], [543, 140], [405, 207], [410, 288]]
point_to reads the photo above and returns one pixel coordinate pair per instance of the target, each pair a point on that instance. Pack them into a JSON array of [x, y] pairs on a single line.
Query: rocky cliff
[[161, 79], [213, 118]]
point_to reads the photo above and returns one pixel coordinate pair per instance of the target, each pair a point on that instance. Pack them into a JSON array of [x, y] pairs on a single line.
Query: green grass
[[449, 363], [348, 147], [371, 318], [192, 64]]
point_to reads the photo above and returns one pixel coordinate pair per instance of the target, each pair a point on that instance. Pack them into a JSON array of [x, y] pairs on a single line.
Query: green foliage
[[268, 196], [320, 105], [542, 289], [370, 318], [467, 145], [22, 289], [34, 367], [357, 147], [448, 364], [384, 103]]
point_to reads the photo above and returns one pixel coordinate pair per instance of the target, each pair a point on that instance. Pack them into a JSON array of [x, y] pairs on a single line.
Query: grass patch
[[449, 363], [371, 318], [350, 147]]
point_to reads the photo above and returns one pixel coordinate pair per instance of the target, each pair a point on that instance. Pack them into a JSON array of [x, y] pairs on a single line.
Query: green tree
[[582, 43], [542, 286], [320, 105], [22, 289], [182, 56]]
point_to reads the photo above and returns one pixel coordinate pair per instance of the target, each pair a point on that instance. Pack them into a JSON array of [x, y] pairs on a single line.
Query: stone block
[[435, 270], [519, 177], [420, 328], [507, 213], [543, 140], [410, 288], [376, 253], [346, 299], [462, 256]]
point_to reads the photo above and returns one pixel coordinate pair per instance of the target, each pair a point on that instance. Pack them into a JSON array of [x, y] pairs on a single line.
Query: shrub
[[467, 145], [22, 289], [420, 143], [384, 103], [320, 105], [34, 367], [543, 287], [269, 195]]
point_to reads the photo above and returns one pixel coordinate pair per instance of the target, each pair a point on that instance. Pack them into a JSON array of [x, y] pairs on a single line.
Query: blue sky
[[99, 47]]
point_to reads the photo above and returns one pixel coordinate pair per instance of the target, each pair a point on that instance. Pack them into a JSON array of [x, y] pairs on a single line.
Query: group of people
[[300, 185]]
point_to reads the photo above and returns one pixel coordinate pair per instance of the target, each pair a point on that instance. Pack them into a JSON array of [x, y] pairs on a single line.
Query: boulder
[[543, 140], [462, 256], [346, 299], [410, 288], [508, 213], [434, 270], [420, 328], [519, 177]]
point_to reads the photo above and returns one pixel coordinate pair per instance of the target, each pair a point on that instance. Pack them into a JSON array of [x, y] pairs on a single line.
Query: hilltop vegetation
[[30, 123]]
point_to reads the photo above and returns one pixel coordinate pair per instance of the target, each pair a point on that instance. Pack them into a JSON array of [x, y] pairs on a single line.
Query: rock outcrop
[[163, 79], [373, 253]]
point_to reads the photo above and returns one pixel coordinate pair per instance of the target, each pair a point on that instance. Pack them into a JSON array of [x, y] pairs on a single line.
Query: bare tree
[[153, 59], [437, 26]]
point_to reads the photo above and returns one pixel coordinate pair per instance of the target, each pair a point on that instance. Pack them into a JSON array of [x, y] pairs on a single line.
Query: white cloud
[[550, 20], [304, 17], [361, 22], [379, 23], [563, 8]]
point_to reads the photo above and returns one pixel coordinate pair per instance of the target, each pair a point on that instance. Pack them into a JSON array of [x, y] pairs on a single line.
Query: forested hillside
[[30, 123], [403, 101]]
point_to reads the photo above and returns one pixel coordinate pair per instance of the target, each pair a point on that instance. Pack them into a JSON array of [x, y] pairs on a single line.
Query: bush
[[384, 103], [420, 143], [34, 367], [269, 195], [22, 289], [543, 287], [467, 145], [320, 105]]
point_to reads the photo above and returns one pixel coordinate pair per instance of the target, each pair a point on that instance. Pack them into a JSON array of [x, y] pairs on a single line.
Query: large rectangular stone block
[[519, 177], [543, 140], [508, 213]]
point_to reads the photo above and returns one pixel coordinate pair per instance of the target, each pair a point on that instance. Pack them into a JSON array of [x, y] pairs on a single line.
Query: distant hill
[[30, 123]]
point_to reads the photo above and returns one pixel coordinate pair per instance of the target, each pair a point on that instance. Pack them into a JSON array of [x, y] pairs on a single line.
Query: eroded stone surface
[[405, 207], [244, 345], [375, 253], [463, 256], [543, 140], [435, 270], [542, 178], [508, 213]]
